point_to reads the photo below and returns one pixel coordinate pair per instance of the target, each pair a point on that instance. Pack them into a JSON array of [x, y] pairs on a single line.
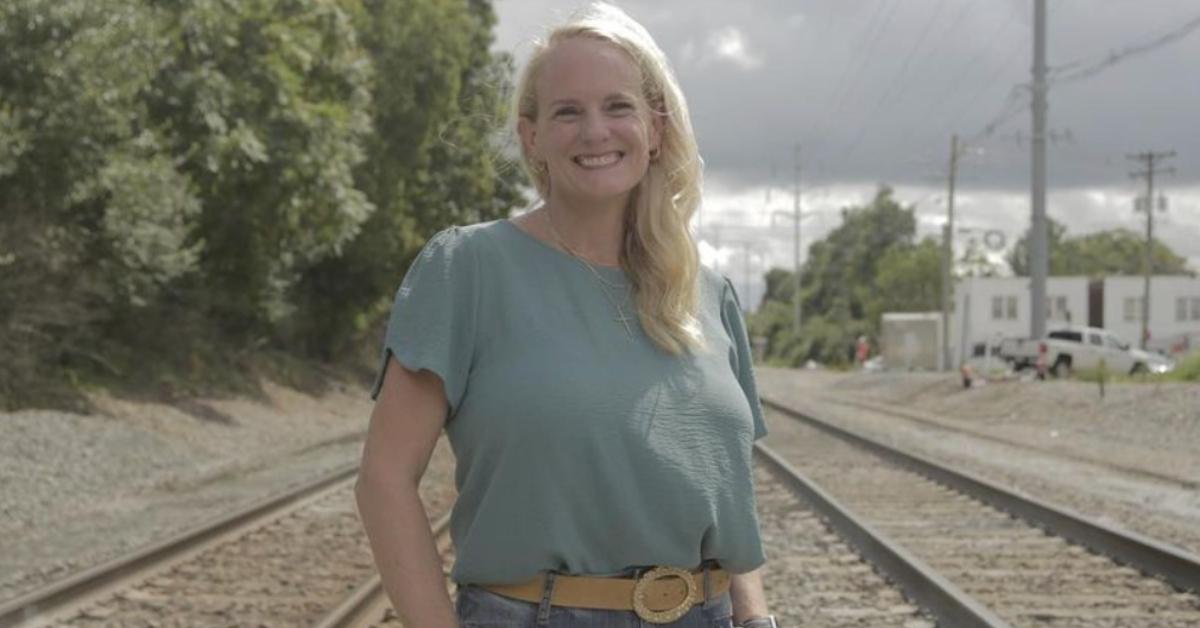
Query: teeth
[[598, 160]]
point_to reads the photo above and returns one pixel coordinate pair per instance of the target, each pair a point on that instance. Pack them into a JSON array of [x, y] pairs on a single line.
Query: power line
[[870, 38], [836, 93], [879, 21], [896, 78], [1019, 97], [979, 56], [946, 97], [1013, 104], [1117, 56]]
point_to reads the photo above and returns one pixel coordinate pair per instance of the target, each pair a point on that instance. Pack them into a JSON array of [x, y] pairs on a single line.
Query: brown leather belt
[[660, 595]]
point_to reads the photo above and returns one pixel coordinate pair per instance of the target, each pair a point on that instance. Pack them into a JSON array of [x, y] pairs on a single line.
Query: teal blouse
[[579, 448]]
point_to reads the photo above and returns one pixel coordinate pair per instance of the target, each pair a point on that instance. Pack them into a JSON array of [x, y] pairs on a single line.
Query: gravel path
[[76, 490]]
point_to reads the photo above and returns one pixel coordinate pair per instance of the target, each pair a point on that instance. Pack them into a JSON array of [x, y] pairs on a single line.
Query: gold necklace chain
[[558, 237], [621, 317]]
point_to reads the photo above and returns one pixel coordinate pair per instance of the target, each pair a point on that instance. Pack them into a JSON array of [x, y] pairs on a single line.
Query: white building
[[1174, 310], [989, 308]]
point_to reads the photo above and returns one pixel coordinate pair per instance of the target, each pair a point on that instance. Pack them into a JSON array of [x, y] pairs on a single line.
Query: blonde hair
[[659, 253]]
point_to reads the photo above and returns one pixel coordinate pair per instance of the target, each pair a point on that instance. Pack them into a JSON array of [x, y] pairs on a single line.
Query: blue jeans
[[479, 608]]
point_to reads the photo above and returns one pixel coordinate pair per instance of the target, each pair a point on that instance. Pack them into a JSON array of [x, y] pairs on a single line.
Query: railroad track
[[842, 516], [807, 553], [367, 605], [951, 426], [977, 554], [1134, 491], [838, 513], [230, 566]]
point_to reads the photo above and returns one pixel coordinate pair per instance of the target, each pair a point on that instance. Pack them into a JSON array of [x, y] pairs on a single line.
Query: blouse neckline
[[607, 271]]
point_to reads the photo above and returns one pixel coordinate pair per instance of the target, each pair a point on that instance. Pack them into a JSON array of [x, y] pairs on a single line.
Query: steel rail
[[1178, 567], [920, 582], [1191, 484], [57, 595], [360, 607], [923, 584]]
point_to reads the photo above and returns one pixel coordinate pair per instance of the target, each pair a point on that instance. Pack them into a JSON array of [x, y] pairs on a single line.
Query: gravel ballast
[[1128, 459], [76, 490]]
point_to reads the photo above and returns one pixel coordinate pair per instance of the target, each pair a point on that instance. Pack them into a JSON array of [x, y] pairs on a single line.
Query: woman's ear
[[658, 121], [528, 132]]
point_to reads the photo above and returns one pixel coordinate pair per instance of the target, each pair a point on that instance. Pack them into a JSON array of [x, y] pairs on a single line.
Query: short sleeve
[[432, 324], [741, 359]]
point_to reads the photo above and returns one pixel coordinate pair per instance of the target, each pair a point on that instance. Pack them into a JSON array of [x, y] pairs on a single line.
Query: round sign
[[994, 239]]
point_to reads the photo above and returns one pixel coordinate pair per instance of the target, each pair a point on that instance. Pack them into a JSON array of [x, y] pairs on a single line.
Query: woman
[[594, 381]]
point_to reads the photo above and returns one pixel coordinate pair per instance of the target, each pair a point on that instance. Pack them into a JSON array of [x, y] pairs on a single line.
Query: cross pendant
[[624, 320]]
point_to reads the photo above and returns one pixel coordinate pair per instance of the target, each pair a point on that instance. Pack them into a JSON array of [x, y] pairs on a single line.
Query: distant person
[[862, 351], [595, 381]]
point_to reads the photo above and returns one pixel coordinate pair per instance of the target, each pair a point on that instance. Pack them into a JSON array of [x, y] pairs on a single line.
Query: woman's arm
[[746, 592], [405, 425]]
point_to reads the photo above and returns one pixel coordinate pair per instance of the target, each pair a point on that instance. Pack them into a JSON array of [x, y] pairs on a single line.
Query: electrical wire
[[974, 60], [896, 81], [871, 37], [1063, 75], [982, 53], [898, 77]]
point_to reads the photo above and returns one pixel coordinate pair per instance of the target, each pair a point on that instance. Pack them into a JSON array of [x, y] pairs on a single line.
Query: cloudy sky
[[872, 91]]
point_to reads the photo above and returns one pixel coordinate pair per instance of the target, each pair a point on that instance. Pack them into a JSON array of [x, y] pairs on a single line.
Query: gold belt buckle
[[671, 614]]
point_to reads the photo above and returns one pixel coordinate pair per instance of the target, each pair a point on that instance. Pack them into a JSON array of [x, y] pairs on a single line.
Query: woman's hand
[[405, 426], [746, 593]]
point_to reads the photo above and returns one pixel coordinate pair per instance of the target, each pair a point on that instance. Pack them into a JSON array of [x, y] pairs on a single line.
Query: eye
[[565, 112], [621, 106]]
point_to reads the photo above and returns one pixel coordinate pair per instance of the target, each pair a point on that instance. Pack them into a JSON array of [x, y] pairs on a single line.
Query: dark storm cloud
[[873, 89]]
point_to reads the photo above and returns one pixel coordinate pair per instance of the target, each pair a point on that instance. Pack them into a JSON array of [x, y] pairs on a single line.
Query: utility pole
[[796, 244], [1148, 158], [748, 250], [1039, 261], [948, 256]]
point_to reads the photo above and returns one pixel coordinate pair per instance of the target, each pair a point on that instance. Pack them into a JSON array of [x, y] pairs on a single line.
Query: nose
[[594, 129]]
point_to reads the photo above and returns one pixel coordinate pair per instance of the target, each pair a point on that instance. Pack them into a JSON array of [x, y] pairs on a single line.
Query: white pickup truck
[[1071, 348]]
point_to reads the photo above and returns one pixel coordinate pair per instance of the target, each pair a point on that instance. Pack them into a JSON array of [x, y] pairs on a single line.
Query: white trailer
[[1174, 311], [987, 309], [911, 340]]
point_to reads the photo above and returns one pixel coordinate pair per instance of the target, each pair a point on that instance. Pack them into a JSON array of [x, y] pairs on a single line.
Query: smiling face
[[593, 129]]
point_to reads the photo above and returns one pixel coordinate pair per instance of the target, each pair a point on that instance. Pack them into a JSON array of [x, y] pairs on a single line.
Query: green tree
[[1111, 252], [433, 158], [92, 218], [840, 271], [266, 103], [781, 286], [184, 183], [909, 280], [868, 265]]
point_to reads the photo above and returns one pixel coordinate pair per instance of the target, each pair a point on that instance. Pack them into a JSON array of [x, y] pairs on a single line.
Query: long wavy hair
[[659, 253]]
